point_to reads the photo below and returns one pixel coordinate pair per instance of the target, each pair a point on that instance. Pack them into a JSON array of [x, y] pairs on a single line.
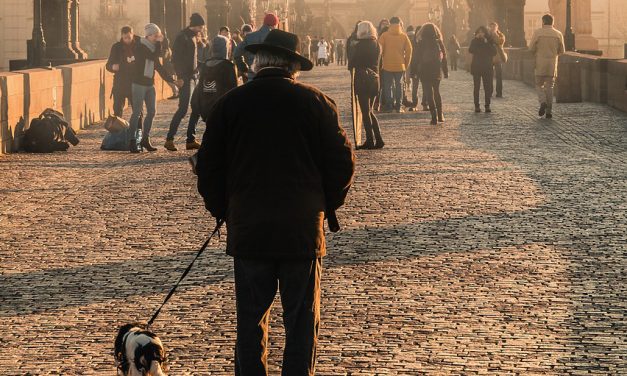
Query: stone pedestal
[[581, 22]]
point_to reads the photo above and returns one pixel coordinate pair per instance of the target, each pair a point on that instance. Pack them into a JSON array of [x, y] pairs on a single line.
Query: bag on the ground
[[48, 133], [117, 141], [115, 124]]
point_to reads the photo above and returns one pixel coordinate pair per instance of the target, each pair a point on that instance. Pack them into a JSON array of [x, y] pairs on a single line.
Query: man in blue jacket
[[243, 58]]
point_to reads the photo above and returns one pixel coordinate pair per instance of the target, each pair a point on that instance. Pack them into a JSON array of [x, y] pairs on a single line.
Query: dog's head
[[139, 351]]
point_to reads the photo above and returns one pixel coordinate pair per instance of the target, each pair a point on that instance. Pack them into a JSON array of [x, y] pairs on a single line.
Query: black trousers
[[256, 284], [371, 122], [487, 78], [498, 74], [431, 89], [119, 101]]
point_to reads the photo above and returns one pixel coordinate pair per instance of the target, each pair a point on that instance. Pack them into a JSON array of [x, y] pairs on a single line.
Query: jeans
[[487, 78], [393, 89], [256, 284], [431, 90], [185, 95], [544, 87], [498, 74], [143, 94]]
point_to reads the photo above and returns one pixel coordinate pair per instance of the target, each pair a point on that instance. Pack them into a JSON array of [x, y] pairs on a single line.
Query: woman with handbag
[[432, 65], [364, 59]]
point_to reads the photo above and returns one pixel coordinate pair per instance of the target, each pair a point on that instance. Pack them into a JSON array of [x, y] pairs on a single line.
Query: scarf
[[149, 65]]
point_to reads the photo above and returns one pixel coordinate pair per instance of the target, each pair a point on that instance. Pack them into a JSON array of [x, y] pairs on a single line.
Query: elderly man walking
[[546, 45], [273, 172]]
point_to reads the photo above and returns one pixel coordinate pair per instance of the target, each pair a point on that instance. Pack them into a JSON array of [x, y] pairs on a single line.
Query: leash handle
[[202, 249]]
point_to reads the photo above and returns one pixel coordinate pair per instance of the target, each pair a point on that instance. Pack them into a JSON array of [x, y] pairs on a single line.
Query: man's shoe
[[368, 145], [440, 116], [379, 144], [145, 143], [477, 108], [169, 144], [549, 116], [542, 110], [194, 145], [499, 95], [133, 147], [487, 108]]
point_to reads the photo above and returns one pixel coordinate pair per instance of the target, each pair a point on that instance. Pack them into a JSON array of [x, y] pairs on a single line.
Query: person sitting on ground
[[483, 50], [365, 61], [147, 61], [433, 65], [272, 172]]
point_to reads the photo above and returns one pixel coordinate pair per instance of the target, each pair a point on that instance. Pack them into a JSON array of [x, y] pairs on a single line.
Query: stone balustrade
[[82, 91]]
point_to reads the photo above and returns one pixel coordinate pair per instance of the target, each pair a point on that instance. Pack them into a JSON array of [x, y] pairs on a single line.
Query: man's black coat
[[273, 159], [122, 79]]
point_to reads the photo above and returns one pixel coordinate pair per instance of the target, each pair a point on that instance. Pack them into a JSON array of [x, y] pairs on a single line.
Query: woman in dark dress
[[483, 50], [364, 59], [432, 65]]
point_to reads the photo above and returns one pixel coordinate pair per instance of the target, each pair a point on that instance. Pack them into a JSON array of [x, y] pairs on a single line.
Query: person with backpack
[[147, 54], [365, 61], [396, 54], [185, 59], [483, 50], [432, 65], [120, 63]]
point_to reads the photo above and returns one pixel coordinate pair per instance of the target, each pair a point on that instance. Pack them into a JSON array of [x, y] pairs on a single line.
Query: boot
[[133, 147], [378, 139], [368, 145], [487, 108], [169, 145], [440, 116], [145, 143], [477, 108], [434, 117], [194, 145]]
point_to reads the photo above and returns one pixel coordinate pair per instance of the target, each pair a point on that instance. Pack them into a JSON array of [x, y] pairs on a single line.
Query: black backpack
[[49, 133]]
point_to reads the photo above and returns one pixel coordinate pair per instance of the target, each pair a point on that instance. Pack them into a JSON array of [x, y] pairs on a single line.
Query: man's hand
[[115, 67]]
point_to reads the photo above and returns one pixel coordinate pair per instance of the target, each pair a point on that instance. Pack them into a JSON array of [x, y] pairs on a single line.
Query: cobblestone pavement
[[495, 244]]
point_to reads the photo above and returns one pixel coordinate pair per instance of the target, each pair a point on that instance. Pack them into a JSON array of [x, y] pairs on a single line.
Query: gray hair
[[267, 59], [366, 30]]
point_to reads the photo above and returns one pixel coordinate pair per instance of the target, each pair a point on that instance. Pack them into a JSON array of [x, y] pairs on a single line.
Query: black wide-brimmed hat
[[284, 43]]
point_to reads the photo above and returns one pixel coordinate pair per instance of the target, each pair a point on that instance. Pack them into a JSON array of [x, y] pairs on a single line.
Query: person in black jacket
[[120, 63], [185, 60], [147, 53], [365, 57], [432, 65], [272, 171], [414, 74], [483, 50]]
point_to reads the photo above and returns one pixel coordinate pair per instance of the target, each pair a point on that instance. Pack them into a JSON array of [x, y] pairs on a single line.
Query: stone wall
[[82, 91], [581, 78]]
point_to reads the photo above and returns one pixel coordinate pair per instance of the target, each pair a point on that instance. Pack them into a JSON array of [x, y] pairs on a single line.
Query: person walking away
[[546, 45], [226, 32], [483, 50], [185, 59], [307, 47], [244, 59], [341, 52], [396, 55], [499, 59], [272, 172], [120, 62], [433, 65], [454, 51], [323, 51], [331, 57], [408, 83], [147, 54], [365, 62], [414, 75]]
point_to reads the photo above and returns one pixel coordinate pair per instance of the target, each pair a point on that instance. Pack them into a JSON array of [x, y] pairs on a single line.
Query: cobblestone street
[[495, 244]]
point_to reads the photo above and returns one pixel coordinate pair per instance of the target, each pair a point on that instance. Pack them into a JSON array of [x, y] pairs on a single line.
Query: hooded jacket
[[546, 45], [396, 49]]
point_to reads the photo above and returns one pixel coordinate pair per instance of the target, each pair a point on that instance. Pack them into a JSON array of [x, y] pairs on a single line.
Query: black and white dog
[[139, 352]]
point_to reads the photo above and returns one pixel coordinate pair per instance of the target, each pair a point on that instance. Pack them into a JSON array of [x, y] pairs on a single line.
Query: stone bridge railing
[[581, 77], [82, 91]]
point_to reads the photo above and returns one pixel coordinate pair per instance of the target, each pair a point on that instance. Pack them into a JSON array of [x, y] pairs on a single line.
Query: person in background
[[546, 45], [226, 32], [384, 25], [409, 81], [323, 52], [331, 56], [454, 51], [147, 61], [185, 59], [365, 61], [272, 172], [396, 53], [483, 50], [414, 68], [433, 65], [120, 63], [499, 40], [307, 47], [236, 36], [243, 59]]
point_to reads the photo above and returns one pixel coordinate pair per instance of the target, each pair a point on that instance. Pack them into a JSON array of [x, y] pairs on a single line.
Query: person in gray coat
[[244, 59]]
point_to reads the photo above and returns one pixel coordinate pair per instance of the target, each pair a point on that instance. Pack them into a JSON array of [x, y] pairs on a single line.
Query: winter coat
[[185, 54], [217, 77], [323, 51], [122, 79], [396, 49], [483, 53], [274, 169], [430, 60], [453, 48], [546, 45], [244, 59], [146, 63], [366, 54]]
